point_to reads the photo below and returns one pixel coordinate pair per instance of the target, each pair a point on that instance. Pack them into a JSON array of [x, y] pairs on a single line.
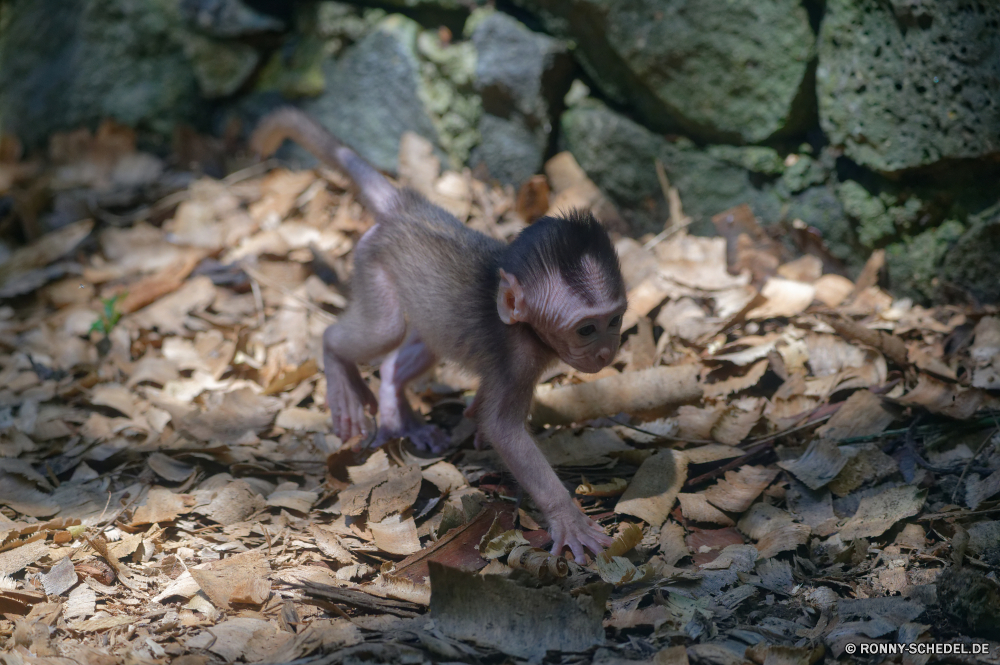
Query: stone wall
[[876, 122]]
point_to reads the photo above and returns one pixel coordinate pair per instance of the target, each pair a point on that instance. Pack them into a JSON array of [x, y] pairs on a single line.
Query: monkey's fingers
[[578, 534]]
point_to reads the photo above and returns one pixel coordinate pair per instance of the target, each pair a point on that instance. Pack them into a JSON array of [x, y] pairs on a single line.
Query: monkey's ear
[[510, 300]]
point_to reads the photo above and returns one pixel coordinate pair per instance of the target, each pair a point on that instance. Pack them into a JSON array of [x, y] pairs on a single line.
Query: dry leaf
[[240, 579], [784, 298], [818, 465], [695, 507], [739, 489], [877, 514], [396, 535], [162, 505], [654, 488]]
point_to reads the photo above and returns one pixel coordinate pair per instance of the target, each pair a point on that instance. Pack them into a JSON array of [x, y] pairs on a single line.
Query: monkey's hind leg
[[398, 419], [372, 326]]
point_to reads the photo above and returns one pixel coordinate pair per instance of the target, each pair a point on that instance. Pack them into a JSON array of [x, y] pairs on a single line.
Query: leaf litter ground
[[792, 462]]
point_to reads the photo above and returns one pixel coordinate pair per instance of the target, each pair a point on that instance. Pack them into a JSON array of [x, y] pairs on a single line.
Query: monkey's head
[[561, 276]]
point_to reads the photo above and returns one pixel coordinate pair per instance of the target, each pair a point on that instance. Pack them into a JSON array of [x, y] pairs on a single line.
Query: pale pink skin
[[557, 316]]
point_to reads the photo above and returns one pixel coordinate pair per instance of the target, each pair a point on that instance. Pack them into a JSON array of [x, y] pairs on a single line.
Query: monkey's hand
[[347, 396], [571, 528]]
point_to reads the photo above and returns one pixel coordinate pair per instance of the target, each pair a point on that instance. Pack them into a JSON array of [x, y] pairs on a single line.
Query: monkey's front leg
[[567, 525], [398, 419], [347, 395]]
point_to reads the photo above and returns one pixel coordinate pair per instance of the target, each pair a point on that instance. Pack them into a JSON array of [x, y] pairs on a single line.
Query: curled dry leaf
[[497, 543], [393, 586], [890, 345], [863, 414], [636, 392], [806, 268], [538, 562], [618, 570], [626, 540], [614, 487], [783, 539]]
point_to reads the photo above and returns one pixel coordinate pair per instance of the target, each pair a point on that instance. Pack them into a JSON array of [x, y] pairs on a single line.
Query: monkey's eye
[[615, 322], [587, 331]]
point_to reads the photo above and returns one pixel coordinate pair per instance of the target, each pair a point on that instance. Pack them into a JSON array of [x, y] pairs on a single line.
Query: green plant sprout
[[106, 323]]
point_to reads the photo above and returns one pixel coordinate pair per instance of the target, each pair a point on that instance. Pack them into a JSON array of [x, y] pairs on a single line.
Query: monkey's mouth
[[587, 365]]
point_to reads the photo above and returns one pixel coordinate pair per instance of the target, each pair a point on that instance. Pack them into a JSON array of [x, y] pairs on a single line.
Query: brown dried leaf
[[162, 505], [240, 579], [169, 468], [695, 507], [739, 489], [230, 504], [877, 514], [15, 559], [832, 290], [735, 423], [588, 447], [233, 417], [395, 535], [152, 288], [45, 250], [395, 493], [784, 298], [807, 268], [655, 486], [946, 399], [169, 313], [783, 539], [818, 465], [863, 414], [735, 384], [299, 419], [865, 466]]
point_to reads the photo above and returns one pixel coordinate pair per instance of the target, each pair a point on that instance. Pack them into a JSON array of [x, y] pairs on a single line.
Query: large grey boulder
[[521, 77], [67, 64], [372, 93], [907, 83], [620, 156], [721, 70], [971, 264]]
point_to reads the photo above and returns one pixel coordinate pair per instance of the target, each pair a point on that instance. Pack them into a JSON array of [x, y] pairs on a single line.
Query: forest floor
[[796, 466]]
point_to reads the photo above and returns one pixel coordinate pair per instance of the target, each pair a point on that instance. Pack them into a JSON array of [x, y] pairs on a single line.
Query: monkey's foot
[[428, 438], [571, 528]]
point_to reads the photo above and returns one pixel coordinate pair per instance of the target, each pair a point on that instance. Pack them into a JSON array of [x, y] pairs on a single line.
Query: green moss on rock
[[721, 70], [907, 84], [72, 64], [914, 264]]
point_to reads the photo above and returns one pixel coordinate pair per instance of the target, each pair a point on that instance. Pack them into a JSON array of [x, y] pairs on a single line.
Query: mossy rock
[[64, 65], [728, 71], [903, 85]]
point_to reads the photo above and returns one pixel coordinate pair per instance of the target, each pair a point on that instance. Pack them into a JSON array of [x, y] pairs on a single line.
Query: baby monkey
[[426, 287]]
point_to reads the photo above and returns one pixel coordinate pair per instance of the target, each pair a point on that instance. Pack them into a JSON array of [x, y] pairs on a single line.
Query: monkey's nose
[[604, 356]]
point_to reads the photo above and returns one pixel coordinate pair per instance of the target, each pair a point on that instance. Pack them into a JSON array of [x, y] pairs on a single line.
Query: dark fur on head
[[564, 243]]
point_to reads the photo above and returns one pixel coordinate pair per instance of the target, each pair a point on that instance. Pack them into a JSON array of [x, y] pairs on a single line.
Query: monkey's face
[[589, 343], [585, 335]]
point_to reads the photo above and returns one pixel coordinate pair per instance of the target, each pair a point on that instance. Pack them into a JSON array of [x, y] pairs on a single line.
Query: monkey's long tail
[[374, 190]]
